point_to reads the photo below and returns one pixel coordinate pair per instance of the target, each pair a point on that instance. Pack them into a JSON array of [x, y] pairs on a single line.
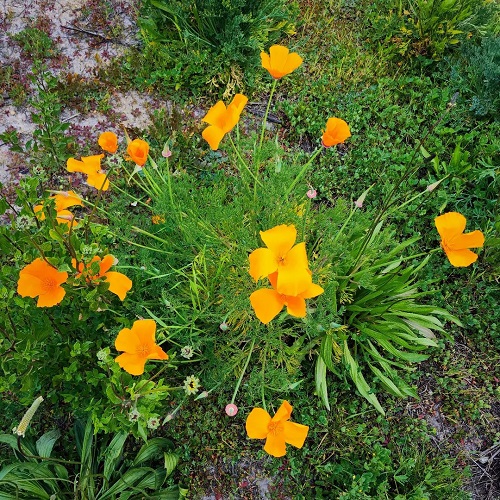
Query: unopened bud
[[311, 194]]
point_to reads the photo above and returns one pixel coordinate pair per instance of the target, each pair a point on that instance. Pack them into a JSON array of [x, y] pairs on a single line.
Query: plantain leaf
[[320, 376]]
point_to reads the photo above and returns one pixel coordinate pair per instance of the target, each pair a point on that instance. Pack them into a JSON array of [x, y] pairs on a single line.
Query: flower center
[[48, 284], [275, 427], [143, 350]]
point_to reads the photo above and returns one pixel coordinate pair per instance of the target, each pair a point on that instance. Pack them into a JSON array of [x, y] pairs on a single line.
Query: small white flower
[[24, 222], [153, 423], [187, 352], [102, 355], [133, 415], [191, 384]]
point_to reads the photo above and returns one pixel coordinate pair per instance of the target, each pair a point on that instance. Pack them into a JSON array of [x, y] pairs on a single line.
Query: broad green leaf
[[45, 444], [386, 382], [153, 448], [171, 461], [113, 454], [357, 377]]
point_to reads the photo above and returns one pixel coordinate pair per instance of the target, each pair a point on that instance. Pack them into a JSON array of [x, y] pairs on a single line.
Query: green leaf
[[113, 454], [321, 387], [358, 379], [153, 448], [171, 461], [45, 444]]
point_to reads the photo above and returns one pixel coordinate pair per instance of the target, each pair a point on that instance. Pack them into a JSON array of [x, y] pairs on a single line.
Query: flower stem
[[243, 372], [303, 171]]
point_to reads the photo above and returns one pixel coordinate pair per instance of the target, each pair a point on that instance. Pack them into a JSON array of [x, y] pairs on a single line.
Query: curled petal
[[108, 141], [105, 264], [284, 412], [313, 291], [213, 135], [119, 284], [215, 115], [475, 239], [337, 131], [257, 423], [296, 306]]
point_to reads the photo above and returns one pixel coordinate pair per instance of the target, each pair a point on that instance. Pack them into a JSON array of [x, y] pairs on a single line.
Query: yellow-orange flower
[[119, 284], [108, 141], [138, 151], [454, 242], [280, 61], [138, 344], [337, 131], [91, 167], [222, 120], [267, 303], [282, 256], [277, 431], [62, 200], [157, 219], [40, 279]]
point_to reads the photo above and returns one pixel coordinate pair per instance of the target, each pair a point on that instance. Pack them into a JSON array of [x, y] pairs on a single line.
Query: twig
[[92, 33]]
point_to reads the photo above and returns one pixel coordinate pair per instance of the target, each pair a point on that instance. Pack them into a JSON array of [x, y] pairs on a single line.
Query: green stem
[[242, 161], [243, 372], [303, 171], [261, 141]]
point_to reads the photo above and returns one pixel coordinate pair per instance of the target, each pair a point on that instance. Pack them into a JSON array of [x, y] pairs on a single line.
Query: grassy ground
[[431, 447]]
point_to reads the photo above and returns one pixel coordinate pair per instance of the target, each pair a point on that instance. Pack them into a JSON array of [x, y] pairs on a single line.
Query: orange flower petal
[[450, 224], [213, 135], [51, 298], [28, 285], [266, 61], [105, 264], [284, 412], [257, 423], [66, 217], [293, 280], [98, 180], [138, 151], [313, 291], [461, 258], [127, 341], [131, 363], [108, 141], [337, 131], [275, 444], [267, 304], [66, 199], [475, 239], [280, 239], [296, 306], [157, 353], [145, 329], [239, 102], [119, 284], [280, 61], [295, 434], [262, 263], [215, 115]]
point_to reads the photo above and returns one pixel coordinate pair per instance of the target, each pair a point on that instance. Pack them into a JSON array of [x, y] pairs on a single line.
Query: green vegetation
[[394, 367]]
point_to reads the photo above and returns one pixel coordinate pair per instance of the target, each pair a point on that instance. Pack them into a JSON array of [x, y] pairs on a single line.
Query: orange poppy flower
[[282, 256], [454, 242], [62, 200], [41, 279], [267, 303], [222, 120], [119, 284], [277, 431], [280, 61], [138, 344], [91, 167], [138, 151], [108, 141], [337, 131]]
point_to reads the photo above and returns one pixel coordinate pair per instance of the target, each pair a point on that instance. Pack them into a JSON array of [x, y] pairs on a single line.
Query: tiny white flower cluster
[[133, 415], [24, 222], [187, 352], [191, 385]]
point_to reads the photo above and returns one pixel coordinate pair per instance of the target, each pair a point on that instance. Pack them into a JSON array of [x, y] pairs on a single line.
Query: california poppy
[[40, 279], [267, 303], [62, 200], [138, 151], [337, 131], [280, 61], [277, 431], [91, 167], [109, 142], [454, 242], [119, 284], [222, 120], [138, 344], [282, 256]]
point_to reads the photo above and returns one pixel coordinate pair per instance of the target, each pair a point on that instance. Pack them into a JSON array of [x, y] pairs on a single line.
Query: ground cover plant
[[256, 282]]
